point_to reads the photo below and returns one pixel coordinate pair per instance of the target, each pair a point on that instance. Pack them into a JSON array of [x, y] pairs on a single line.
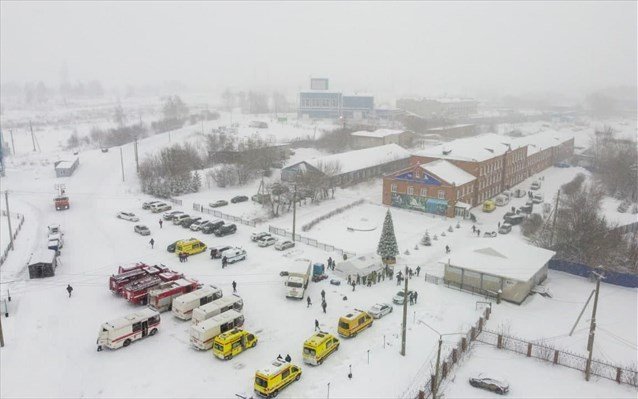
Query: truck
[[218, 306], [126, 275], [184, 305], [298, 278], [319, 272], [161, 298], [203, 334], [136, 291], [121, 332]]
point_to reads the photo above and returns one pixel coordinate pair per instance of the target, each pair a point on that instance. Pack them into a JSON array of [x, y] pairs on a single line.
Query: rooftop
[[377, 133], [361, 159], [476, 148], [448, 172]]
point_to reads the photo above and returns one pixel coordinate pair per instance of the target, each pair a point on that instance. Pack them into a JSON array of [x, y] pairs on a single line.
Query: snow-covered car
[[218, 203], [171, 247], [519, 193], [489, 234], [198, 225], [160, 207], [211, 226], [267, 241], [225, 230], [380, 309], [180, 218], [538, 198], [505, 228], [490, 384], [147, 205], [536, 185], [188, 222], [128, 216], [283, 245], [141, 229], [399, 298], [259, 236], [171, 214], [239, 198]]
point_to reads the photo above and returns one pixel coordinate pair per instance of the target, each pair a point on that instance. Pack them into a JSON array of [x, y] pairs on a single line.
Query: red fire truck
[[161, 297], [126, 275], [137, 291]]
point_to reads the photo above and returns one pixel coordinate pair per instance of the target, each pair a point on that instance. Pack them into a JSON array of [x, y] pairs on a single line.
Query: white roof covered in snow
[[476, 148], [361, 265], [361, 159], [448, 172], [377, 133], [501, 256], [127, 320], [543, 140], [440, 128], [43, 255], [65, 164]]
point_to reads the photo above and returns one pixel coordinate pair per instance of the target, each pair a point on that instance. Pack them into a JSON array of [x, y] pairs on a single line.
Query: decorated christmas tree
[[388, 248], [426, 239]]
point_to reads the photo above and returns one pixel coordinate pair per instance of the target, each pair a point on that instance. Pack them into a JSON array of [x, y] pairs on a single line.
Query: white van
[[203, 334], [160, 207], [216, 307], [183, 305], [234, 254], [121, 332], [179, 218]]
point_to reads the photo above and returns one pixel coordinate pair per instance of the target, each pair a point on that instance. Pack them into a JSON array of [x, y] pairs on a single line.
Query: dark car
[[186, 223], [225, 230], [217, 204], [490, 384], [239, 198], [514, 219], [171, 247], [216, 252], [210, 227]]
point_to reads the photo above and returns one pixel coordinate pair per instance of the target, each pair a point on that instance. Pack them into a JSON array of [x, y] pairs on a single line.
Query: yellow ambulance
[[489, 206], [318, 347], [191, 246], [351, 324], [232, 343], [270, 380]]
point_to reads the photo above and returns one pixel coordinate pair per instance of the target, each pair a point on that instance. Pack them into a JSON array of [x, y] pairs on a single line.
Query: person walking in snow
[[354, 284], [323, 295], [478, 233], [161, 222], [473, 229], [69, 289], [410, 298], [234, 286], [288, 358], [317, 325], [324, 305], [152, 242], [418, 270], [447, 249], [499, 225], [224, 262], [308, 301], [416, 295]]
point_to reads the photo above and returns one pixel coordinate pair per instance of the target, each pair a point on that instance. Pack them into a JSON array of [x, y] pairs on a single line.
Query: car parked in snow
[[210, 227], [239, 198], [234, 254], [225, 230], [380, 309], [198, 225], [399, 298], [188, 222], [160, 207], [519, 193], [216, 252], [171, 214], [142, 229], [490, 384], [514, 219], [180, 218], [536, 185], [283, 245], [147, 205], [505, 228], [218, 203], [128, 216], [538, 198], [267, 241], [259, 236], [490, 234]]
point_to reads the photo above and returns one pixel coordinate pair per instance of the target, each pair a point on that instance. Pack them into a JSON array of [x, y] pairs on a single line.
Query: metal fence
[[221, 215], [561, 357], [174, 201], [5, 252], [330, 214], [310, 241]]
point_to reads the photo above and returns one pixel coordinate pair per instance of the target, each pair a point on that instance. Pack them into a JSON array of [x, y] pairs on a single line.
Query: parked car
[[536, 185], [186, 223], [505, 228], [180, 218], [225, 230], [489, 206], [490, 234], [218, 203], [399, 298], [161, 207], [210, 227], [171, 247], [267, 241], [519, 193], [234, 254], [513, 220], [128, 216], [502, 199], [171, 214], [141, 229], [380, 309], [147, 205], [198, 225], [538, 198], [283, 245], [259, 236], [527, 208], [490, 384], [239, 198], [216, 252]]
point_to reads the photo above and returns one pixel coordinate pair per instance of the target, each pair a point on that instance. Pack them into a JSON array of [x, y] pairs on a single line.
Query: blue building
[[321, 103]]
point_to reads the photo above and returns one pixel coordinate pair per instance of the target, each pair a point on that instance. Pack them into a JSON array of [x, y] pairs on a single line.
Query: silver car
[[128, 216], [142, 230], [380, 309]]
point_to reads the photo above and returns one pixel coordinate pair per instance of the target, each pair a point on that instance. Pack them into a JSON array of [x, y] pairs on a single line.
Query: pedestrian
[[379, 278], [354, 284], [349, 280], [473, 229], [317, 324], [279, 357], [224, 262], [288, 358], [161, 222], [309, 301], [363, 279], [324, 305], [185, 257], [499, 225], [369, 282], [358, 279], [152, 242], [329, 262], [181, 258], [416, 295], [447, 249], [478, 233], [323, 295], [234, 286], [418, 270], [212, 253], [69, 289], [410, 298]]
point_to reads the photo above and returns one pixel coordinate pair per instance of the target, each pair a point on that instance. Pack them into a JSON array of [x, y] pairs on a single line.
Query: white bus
[[216, 307], [204, 333], [183, 305], [121, 332]]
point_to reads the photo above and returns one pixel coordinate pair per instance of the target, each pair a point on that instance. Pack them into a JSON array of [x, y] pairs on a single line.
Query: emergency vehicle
[[137, 291], [203, 334], [183, 305], [216, 307], [232, 343], [352, 324], [161, 298], [318, 347], [121, 332], [272, 379], [126, 275]]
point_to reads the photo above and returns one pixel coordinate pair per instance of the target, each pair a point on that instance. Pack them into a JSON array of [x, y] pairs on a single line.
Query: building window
[[424, 192], [441, 194], [410, 190], [393, 188]]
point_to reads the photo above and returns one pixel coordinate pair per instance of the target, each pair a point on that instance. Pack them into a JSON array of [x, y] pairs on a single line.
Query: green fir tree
[[388, 248]]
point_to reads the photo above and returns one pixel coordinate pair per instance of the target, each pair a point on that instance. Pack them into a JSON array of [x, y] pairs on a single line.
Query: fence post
[[618, 374], [432, 382], [463, 344], [444, 370], [488, 310], [455, 355], [473, 334], [529, 350], [556, 352], [421, 395], [499, 342], [480, 325]]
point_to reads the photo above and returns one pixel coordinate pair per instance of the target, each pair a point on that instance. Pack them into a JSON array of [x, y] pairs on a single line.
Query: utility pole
[[435, 385], [294, 212], [122, 162], [592, 328], [551, 240], [405, 313], [12, 142], [6, 201], [1, 335], [32, 136], [581, 312]]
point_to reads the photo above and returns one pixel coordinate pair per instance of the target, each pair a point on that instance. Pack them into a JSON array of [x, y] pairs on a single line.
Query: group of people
[[324, 304], [331, 264], [410, 273], [282, 359], [476, 231], [183, 257]]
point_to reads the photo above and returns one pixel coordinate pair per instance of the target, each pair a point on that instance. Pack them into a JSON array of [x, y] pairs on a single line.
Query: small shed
[[494, 264], [42, 264], [363, 265], [66, 168]]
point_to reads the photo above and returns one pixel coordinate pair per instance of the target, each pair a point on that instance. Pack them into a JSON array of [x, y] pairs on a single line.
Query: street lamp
[[435, 384]]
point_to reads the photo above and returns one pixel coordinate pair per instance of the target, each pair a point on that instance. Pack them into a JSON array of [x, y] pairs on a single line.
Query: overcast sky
[[426, 48]]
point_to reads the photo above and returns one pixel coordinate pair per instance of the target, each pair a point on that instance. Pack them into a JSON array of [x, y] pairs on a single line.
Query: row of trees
[[615, 164], [254, 102], [170, 172]]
